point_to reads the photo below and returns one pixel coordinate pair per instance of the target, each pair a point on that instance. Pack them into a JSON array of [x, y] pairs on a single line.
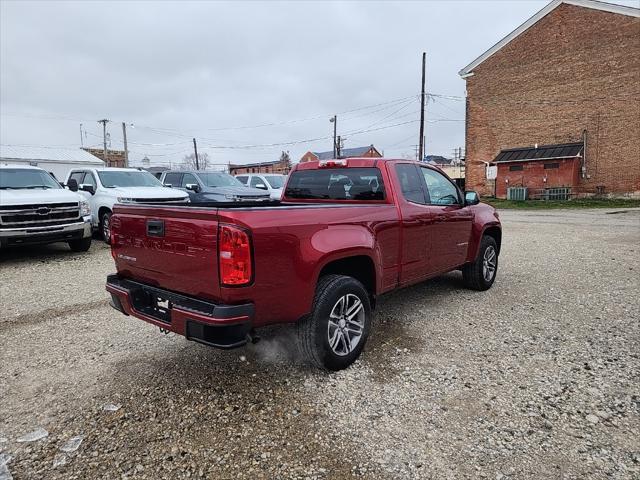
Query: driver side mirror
[[261, 186], [194, 187], [168, 185], [87, 188], [471, 198], [72, 184]]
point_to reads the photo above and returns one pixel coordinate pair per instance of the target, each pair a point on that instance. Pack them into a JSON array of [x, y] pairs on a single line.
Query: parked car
[[320, 258], [212, 186], [36, 209], [104, 187], [272, 183]]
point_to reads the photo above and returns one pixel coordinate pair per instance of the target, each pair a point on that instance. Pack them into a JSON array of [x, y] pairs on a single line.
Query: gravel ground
[[536, 378]]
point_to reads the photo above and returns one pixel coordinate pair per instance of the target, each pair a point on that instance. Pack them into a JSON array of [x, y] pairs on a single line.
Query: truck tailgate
[[167, 246]]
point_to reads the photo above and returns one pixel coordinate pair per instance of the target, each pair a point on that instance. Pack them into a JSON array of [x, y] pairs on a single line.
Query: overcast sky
[[177, 70]]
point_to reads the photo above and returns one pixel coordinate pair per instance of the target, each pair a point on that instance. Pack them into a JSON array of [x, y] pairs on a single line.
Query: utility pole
[[339, 147], [104, 122], [422, 98], [334, 120], [124, 140], [81, 139], [195, 149]]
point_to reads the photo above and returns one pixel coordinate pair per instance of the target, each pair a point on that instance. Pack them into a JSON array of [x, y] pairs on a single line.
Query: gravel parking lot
[[536, 378]]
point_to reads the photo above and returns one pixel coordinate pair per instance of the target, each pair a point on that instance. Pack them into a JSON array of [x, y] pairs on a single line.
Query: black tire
[[475, 274], [105, 219], [315, 329], [81, 245]]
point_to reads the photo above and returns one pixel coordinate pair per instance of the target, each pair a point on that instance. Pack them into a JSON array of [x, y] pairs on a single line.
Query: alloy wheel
[[346, 324]]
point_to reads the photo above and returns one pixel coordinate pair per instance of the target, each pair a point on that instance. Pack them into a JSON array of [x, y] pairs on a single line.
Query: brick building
[[556, 103], [368, 151], [114, 158], [278, 166]]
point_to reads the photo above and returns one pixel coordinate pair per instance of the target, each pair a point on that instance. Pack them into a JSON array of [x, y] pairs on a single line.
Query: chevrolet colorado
[[345, 232]]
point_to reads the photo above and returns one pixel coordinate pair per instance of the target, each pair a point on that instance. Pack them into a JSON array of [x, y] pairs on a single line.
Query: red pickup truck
[[345, 232]]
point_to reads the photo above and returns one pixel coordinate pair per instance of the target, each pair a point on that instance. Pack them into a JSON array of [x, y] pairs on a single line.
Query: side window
[[242, 178], [410, 183], [89, 180], [173, 179], [77, 176], [441, 191], [187, 179], [255, 181]]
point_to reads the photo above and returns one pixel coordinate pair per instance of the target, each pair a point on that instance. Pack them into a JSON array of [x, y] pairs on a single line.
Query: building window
[[551, 165], [516, 168]]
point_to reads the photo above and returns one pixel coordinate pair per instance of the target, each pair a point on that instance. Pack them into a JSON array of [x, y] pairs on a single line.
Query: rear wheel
[[105, 227], [333, 335], [481, 273], [81, 245]]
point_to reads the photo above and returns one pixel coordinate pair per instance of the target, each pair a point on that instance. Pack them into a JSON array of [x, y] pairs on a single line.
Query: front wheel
[[81, 245], [481, 273], [105, 227], [333, 335]]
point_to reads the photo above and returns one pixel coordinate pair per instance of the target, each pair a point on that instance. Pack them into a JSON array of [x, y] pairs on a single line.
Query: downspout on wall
[[584, 153]]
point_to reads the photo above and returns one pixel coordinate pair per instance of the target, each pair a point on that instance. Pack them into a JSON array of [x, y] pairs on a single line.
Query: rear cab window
[[353, 183]]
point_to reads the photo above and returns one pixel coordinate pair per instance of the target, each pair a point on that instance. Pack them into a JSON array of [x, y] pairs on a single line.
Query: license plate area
[[153, 305]]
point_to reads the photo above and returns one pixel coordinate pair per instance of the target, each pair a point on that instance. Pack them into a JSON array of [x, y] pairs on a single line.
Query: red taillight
[[234, 258]]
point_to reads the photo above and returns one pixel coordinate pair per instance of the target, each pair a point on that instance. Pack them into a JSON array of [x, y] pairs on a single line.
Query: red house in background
[[546, 171]]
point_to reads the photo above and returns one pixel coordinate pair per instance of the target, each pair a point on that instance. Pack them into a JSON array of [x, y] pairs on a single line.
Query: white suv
[[104, 187], [35, 209], [271, 182]]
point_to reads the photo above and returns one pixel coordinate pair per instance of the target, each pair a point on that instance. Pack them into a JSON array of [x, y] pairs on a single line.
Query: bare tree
[[189, 161], [286, 159]]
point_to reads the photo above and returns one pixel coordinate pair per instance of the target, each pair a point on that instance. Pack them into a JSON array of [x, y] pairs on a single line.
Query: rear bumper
[[46, 234], [221, 326]]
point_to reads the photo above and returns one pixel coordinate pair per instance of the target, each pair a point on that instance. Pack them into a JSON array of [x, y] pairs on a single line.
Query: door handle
[[155, 228], [440, 218]]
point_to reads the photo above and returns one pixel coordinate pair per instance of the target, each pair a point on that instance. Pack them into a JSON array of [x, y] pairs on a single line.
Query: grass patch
[[575, 203]]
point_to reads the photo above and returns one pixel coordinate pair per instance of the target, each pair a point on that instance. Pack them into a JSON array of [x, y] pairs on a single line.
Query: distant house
[[554, 105], [114, 158], [453, 168], [54, 160], [277, 166], [368, 151], [438, 160]]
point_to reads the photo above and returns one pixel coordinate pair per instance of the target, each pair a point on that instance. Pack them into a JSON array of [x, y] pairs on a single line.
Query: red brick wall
[[533, 175], [279, 167], [310, 157], [115, 158], [575, 69]]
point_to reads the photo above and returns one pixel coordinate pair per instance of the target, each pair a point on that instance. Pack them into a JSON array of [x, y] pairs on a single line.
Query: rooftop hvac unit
[[517, 193]]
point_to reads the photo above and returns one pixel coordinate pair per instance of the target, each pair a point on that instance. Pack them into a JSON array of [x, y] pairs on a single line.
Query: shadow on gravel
[[399, 317], [44, 253], [191, 407]]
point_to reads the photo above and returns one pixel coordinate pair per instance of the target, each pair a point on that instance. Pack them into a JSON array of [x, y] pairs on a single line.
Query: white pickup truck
[[104, 187], [35, 209]]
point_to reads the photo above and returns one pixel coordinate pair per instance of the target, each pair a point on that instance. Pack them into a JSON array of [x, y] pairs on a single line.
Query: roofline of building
[[250, 165], [97, 161], [540, 147], [578, 155], [592, 4]]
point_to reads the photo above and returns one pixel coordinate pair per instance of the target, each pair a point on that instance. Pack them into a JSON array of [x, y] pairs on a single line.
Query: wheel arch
[[494, 232], [360, 266]]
